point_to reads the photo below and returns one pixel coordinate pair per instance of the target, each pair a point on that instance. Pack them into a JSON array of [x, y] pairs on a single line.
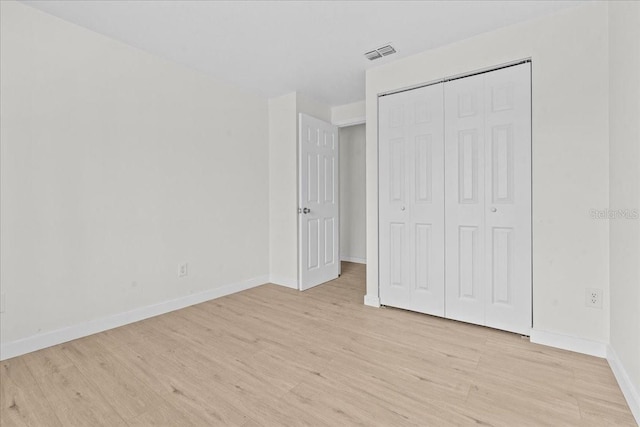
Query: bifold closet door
[[488, 198], [411, 200]]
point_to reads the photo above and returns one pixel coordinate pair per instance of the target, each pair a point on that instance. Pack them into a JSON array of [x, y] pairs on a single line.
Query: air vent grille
[[386, 50], [380, 52], [373, 55]]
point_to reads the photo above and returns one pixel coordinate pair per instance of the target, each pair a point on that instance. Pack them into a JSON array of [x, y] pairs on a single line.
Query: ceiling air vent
[[373, 55], [380, 52], [386, 50]]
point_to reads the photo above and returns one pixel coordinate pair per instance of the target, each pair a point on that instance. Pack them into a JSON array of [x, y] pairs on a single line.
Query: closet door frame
[[441, 81]]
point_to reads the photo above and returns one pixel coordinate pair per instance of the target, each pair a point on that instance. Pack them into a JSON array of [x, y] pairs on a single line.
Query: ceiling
[[272, 48]]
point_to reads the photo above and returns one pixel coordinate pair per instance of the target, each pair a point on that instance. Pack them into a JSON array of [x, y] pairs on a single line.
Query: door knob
[[494, 210], [306, 211], [402, 208]]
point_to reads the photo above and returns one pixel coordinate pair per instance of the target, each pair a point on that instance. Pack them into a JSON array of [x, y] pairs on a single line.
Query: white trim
[[372, 300], [350, 122], [354, 259], [281, 281], [629, 390], [568, 342], [59, 336]]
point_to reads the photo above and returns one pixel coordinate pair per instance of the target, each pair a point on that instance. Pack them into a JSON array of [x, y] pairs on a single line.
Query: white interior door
[[318, 225], [411, 200], [488, 199]]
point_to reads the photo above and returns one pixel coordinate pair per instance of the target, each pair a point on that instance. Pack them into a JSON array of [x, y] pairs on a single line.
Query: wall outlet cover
[[183, 270], [593, 298]]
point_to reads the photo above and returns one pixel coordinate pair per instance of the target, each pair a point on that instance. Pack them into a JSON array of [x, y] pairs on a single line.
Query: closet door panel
[[508, 199], [394, 215], [411, 200], [464, 198], [426, 188]]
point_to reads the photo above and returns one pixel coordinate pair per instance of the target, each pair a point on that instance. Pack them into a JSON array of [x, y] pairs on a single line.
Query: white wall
[[283, 178], [283, 185], [116, 167], [570, 155], [624, 168], [353, 215]]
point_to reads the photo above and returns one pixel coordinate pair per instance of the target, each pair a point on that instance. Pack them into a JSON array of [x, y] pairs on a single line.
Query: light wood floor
[[274, 356]]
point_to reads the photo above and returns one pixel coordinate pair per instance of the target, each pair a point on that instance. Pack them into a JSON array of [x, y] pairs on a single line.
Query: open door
[[318, 210]]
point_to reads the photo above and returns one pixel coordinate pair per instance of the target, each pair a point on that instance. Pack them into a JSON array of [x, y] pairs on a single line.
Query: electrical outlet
[[2, 301], [183, 270], [593, 298]]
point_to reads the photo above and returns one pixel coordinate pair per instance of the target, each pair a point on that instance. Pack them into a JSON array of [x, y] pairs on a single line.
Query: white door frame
[[429, 83]]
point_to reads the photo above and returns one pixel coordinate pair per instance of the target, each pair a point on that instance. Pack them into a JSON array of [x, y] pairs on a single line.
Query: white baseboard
[[629, 389], [568, 342], [283, 281], [372, 300], [59, 336], [354, 259]]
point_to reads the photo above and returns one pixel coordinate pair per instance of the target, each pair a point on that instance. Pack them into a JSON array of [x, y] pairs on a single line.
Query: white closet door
[[464, 200], [411, 200], [508, 199], [488, 199]]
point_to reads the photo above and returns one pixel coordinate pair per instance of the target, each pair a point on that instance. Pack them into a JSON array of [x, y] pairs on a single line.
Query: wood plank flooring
[[273, 356]]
